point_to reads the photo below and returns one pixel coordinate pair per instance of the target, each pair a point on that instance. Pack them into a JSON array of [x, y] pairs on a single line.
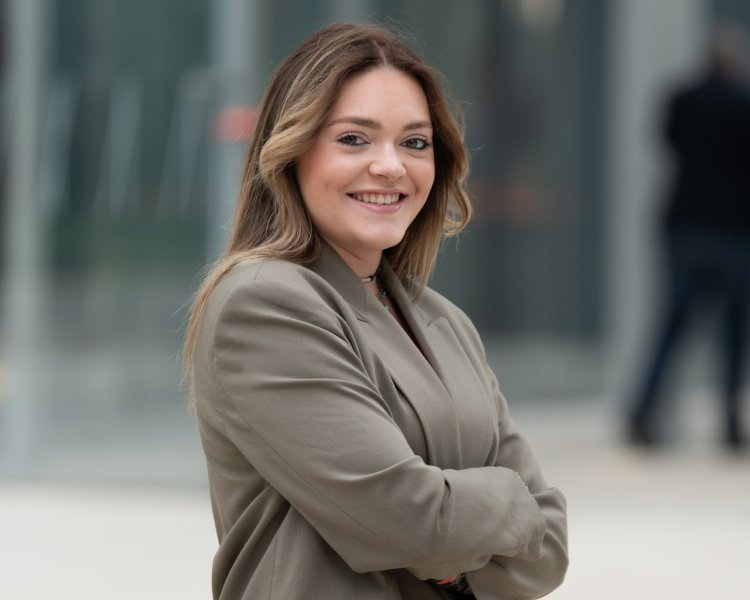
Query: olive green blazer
[[345, 463]]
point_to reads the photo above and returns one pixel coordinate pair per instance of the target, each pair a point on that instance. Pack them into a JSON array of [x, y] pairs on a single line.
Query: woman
[[357, 443]]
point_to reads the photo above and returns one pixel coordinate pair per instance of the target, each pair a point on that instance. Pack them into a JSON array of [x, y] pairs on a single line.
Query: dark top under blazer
[[346, 464]]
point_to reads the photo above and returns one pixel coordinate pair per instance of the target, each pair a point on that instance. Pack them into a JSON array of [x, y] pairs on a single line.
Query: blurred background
[[124, 127]]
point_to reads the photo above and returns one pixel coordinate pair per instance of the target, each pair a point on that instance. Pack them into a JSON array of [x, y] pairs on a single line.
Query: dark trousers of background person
[[706, 269]]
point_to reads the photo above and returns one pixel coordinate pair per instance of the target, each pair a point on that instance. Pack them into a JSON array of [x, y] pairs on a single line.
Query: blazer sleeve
[[298, 403], [507, 577]]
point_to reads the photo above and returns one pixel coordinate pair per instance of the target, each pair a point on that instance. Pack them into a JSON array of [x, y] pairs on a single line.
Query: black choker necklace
[[382, 294]]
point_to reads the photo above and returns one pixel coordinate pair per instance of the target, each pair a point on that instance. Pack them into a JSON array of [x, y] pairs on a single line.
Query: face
[[371, 167]]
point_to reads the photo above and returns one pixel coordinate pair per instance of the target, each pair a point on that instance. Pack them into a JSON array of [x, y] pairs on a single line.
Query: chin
[[385, 241], [382, 247]]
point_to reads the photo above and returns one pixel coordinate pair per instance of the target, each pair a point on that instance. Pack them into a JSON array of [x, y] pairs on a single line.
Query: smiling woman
[[366, 178], [357, 443]]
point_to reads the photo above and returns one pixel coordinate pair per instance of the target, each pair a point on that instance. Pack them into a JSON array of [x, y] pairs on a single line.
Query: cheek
[[425, 171], [304, 180], [426, 183], [427, 178], [312, 185]]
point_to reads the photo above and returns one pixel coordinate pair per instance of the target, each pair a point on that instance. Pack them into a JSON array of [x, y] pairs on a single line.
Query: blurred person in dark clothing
[[706, 229]]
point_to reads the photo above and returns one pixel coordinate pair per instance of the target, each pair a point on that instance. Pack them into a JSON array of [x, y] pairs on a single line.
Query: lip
[[383, 191]]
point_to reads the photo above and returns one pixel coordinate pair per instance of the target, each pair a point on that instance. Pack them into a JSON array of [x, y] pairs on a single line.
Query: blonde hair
[[271, 220]]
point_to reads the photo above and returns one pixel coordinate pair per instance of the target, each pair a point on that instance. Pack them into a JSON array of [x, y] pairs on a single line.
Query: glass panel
[[128, 205], [125, 153]]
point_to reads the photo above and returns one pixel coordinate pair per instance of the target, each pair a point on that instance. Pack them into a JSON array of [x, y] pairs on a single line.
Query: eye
[[351, 139], [417, 143]]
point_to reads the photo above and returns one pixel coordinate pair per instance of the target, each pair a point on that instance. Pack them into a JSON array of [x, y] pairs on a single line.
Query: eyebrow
[[372, 124]]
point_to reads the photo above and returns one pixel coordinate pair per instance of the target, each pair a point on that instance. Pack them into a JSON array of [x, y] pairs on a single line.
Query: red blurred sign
[[235, 123]]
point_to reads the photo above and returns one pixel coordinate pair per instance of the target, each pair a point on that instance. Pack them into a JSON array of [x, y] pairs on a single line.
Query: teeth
[[377, 198]]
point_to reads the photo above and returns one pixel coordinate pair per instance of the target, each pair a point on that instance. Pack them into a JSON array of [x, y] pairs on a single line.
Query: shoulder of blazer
[[266, 280], [290, 288], [434, 306], [269, 273]]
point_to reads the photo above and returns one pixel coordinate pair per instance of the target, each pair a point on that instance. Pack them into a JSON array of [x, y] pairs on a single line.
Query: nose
[[387, 163]]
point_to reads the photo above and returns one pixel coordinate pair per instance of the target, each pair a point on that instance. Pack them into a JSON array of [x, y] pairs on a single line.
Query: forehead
[[384, 91]]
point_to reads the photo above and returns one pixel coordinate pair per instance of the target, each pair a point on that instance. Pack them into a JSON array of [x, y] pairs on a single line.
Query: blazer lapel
[[464, 402], [418, 376]]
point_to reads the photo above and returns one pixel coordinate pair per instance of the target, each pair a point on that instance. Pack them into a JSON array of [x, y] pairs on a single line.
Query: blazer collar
[[331, 267], [421, 376]]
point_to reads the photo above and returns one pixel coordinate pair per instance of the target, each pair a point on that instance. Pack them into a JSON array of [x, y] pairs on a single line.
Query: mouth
[[371, 198]]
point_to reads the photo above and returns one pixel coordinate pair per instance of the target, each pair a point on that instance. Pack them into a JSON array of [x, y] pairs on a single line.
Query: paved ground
[[670, 525], [667, 525], [104, 543]]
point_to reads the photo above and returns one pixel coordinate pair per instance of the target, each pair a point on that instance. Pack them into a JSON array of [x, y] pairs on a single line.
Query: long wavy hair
[[271, 220]]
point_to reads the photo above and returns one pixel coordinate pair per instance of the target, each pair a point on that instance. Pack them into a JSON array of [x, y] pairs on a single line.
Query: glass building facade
[[124, 130]]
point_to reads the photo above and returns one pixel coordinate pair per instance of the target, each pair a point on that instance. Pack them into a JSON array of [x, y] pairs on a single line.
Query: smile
[[377, 198]]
